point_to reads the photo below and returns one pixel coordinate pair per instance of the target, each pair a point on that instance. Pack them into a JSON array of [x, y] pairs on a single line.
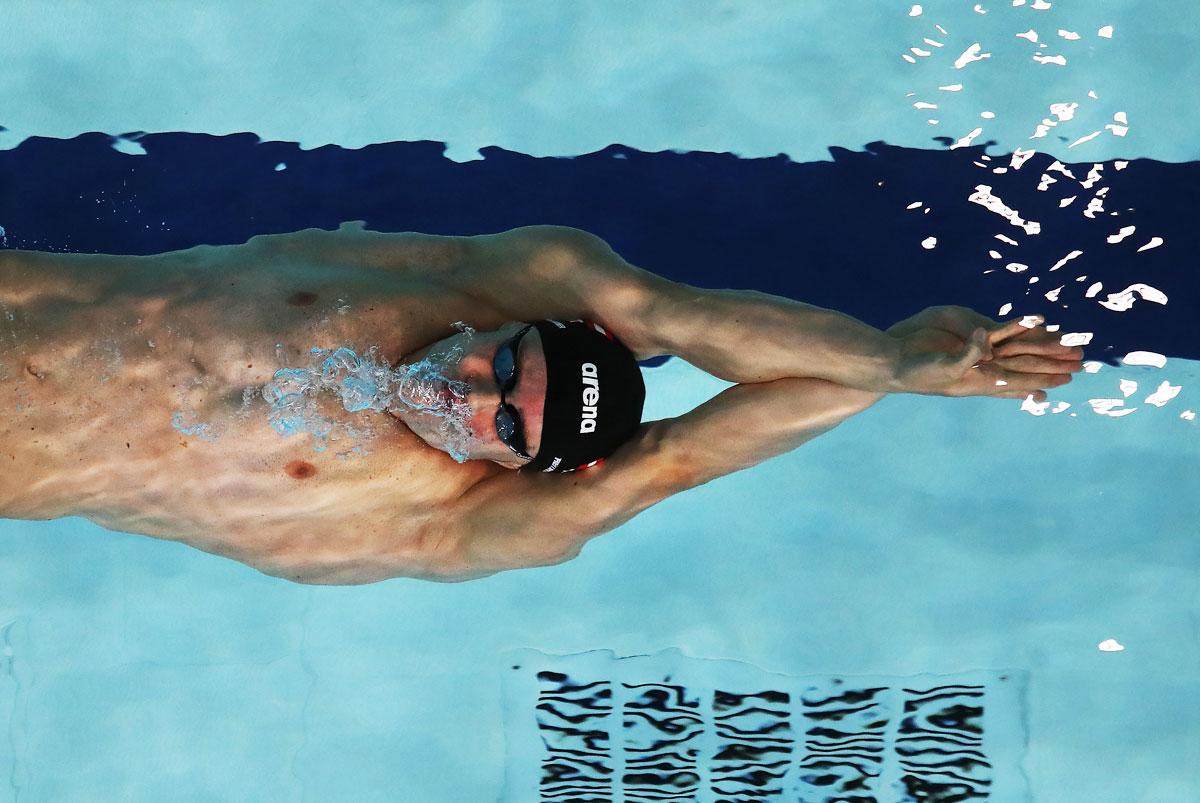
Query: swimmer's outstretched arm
[[513, 521], [746, 336]]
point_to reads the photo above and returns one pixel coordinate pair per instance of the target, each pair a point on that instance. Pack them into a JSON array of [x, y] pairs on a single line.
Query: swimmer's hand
[[955, 351]]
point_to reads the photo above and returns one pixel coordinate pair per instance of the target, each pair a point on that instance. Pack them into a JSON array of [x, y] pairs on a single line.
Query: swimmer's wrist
[[889, 370]]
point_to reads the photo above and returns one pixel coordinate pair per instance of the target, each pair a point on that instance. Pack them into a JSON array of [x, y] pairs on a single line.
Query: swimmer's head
[[548, 396]]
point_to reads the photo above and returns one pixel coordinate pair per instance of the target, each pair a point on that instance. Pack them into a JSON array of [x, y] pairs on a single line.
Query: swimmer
[[136, 393]]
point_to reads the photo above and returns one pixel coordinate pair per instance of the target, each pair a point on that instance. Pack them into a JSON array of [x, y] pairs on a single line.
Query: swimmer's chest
[[278, 503], [282, 311]]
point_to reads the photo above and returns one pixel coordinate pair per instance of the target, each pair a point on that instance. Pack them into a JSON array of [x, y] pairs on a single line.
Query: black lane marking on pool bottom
[[837, 234], [827, 739]]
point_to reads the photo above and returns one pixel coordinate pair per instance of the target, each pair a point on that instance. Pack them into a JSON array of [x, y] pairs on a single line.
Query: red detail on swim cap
[[600, 329], [591, 464]]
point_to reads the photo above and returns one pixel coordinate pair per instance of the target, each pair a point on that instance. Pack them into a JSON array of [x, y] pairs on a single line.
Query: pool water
[[925, 538]]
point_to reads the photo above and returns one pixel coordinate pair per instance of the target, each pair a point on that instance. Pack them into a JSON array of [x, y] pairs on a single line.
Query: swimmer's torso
[[130, 388]]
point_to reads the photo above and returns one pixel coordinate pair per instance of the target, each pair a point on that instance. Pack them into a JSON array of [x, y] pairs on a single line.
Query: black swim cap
[[594, 395]]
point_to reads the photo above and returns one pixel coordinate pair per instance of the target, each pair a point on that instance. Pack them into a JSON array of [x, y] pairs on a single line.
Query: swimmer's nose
[[485, 397], [477, 371]]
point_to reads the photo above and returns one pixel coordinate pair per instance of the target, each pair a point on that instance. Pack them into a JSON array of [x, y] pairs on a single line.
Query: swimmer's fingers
[[1013, 328], [1038, 342], [1033, 363], [1038, 395], [1006, 382]]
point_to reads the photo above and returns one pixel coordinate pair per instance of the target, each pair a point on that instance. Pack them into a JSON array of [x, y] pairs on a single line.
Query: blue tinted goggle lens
[[508, 420]]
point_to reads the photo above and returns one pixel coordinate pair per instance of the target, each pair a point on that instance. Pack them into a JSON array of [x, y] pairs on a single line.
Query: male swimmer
[[149, 394]]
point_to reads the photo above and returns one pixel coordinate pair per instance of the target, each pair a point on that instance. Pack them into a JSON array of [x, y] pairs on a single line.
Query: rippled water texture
[[367, 382]]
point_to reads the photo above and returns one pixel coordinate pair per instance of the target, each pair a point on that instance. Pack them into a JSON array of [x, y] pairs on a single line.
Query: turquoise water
[[923, 537]]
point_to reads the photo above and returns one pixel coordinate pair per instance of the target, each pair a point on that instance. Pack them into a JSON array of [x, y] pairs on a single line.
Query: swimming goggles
[[508, 420]]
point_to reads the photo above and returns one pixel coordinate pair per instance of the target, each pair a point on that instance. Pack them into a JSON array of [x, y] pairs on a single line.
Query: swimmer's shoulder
[[355, 246]]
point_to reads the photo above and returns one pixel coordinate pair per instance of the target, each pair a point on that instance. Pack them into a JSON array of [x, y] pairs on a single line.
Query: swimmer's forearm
[[749, 423], [747, 336]]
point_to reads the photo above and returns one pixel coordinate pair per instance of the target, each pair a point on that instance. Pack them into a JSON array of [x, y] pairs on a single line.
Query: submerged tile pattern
[[593, 727]]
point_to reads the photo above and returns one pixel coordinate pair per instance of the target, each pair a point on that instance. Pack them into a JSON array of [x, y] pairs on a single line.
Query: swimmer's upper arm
[[352, 244], [520, 520], [516, 520], [537, 272]]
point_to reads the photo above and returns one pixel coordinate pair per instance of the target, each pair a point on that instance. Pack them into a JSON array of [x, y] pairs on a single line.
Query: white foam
[[1163, 394], [1110, 645], [1004, 310], [1122, 234], [972, 53], [1122, 301], [967, 140], [929, 243], [1019, 157], [951, 88], [984, 197], [1060, 59], [1016, 267], [1031, 35], [1065, 202], [1095, 288], [1064, 111], [1150, 358], [1066, 259], [1128, 387], [1077, 339], [1155, 242], [1109, 407], [915, 11], [1032, 407], [1053, 294], [1106, 32], [1071, 35]]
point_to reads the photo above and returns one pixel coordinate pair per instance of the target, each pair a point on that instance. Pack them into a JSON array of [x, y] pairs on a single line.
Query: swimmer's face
[[476, 369]]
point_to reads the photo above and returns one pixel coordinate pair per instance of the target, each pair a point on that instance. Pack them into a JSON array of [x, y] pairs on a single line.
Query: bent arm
[[737, 335], [517, 520], [751, 337]]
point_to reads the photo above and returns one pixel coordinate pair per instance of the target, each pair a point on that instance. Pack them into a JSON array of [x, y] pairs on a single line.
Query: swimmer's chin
[[478, 452], [474, 452]]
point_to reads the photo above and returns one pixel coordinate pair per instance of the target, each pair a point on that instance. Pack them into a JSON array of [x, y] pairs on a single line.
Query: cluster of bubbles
[[367, 382]]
